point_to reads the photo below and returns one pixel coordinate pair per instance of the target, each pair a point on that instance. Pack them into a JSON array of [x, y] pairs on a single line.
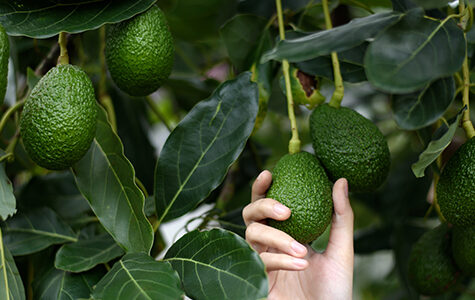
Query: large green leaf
[[420, 109], [139, 276], [431, 4], [7, 198], [42, 19], [338, 39], [218, 264], [414, 52], [84, 255], [30, 232], [200, 150], [106, 179], [11, 286]]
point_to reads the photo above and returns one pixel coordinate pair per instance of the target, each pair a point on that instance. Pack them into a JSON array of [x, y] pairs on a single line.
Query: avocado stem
[[294, 143], [466, 123], [339, 92], [63, 58]]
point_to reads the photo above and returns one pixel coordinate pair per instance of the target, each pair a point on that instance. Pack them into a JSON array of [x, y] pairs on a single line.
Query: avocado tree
[[120, 116]]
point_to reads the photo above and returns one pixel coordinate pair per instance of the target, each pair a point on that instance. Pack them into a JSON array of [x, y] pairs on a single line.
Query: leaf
[[31, 78], [218, 264], [416, 110], [30, 232], [43, 19], [139, 276], [7, 198], [84, 255], [11, 286], [338, 39], [431, 4], [414, 52], [200, 150], [106, 179], [436, 146]]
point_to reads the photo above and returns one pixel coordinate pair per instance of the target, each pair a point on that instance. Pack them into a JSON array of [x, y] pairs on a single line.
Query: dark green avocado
[[463, 248]]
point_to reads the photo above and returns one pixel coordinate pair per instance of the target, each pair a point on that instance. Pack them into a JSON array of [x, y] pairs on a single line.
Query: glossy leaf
[[7, 198], [84, 255], [43, 19], [30, 232], [420, 109], [218, 264], [338, 39], [106, 179], [11, 286], [413, 52], [431, 4], [139, 276], [436, 146], [200, 150]]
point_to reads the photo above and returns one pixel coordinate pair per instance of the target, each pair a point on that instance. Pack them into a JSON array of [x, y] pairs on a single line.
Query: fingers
[[263, 209], [261, 185], [275, 261]]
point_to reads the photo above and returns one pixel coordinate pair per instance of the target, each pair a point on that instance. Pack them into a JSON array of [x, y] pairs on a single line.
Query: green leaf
[[200, 150], [139, 276], [338, 39], [31, 78], [414, 52], [84, 255], [106, 179], [7, 198], [416, 110], [218, 264], [436, 146], [431, 4], [43, 19], [30, 232], [11, 286]]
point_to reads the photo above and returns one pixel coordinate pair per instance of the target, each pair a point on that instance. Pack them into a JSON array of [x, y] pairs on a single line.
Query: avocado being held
[[456, 186], [58, 121], [4, 55], [300, 183], [350, 146], [463, 248], [139, 52]]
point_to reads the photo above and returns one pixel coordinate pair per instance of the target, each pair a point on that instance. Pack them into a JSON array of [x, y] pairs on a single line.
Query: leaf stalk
[[63, 58]]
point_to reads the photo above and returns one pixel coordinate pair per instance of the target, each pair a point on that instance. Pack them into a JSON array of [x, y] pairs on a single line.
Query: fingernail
[[280, 209], [346, 189], [301, 263], [260, 176], [297, 247]]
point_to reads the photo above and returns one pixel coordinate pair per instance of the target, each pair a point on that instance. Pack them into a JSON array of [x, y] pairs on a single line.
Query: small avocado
[[463, 248], [304, 87], [58, 122], [456, 186], [300, 183], [432, 270], [139, 52], [4, 55], [350, 146]]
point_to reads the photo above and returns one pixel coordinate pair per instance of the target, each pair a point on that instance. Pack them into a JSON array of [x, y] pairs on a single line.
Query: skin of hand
[[296, 271]]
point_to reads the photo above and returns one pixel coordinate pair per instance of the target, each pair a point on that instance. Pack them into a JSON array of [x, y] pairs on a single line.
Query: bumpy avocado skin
[[456, 186], [432, 270], [300, 183], [4, 55], [350, 146], [58, 121], [139, 52], [463, 248]]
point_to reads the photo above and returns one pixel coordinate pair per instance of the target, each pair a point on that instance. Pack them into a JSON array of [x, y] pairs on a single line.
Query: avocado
[[304, 87], [139, 52], [4, 55], [300, 183], [463, 248], [58, 121], [432, 270], [349, 145], [456, 186]]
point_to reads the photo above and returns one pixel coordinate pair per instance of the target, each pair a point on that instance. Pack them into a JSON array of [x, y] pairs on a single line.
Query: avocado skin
[[58, 121], [432, 270], [300, 183], [4, 55], [456, 186], [463, 248], [350, 146], [139, 52]]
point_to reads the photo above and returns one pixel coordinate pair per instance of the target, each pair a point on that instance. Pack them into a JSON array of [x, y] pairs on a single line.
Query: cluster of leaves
[[92, 232]]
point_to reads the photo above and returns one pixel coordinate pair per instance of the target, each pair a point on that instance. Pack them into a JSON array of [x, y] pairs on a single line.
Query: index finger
[[261, 185]]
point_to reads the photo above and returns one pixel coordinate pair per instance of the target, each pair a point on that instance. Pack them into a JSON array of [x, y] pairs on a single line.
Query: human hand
[[296, 271]]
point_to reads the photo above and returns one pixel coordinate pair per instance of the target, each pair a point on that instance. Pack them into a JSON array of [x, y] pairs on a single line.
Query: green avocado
[[300, 183], [58, 121], [463, 248], [304, 87], [4, 55], [139, 52], [350, 146], [456, 186], [431, 267]]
